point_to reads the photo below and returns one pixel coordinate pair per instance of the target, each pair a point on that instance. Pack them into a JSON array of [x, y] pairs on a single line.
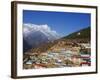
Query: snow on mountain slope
[[36, 35], [45, 29]]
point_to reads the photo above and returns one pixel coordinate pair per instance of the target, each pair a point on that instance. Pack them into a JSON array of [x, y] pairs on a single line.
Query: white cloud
[[30, 28]]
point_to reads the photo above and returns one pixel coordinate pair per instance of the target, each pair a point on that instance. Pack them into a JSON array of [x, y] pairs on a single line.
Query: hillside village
[[73, 50], [62, 54]]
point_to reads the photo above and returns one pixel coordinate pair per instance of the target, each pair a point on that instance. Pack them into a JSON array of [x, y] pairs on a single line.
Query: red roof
[[88, 63]]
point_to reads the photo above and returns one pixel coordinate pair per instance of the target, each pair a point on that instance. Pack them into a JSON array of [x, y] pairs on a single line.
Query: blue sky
[[63, 23]]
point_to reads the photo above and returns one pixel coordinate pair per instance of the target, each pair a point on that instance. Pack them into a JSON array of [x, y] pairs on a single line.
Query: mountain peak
[[45, 29], [35, 35]]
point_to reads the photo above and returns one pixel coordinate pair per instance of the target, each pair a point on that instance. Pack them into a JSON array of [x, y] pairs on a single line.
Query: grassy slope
[[84, 33]]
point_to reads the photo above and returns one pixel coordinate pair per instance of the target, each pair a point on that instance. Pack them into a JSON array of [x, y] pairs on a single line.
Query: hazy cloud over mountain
[[45, 29]]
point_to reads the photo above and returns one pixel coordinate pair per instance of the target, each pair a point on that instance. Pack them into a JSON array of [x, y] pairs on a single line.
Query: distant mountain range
[[42, 43], [36, 35]]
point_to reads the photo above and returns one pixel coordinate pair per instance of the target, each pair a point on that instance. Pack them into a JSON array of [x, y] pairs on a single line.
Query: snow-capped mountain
[[35, 35]]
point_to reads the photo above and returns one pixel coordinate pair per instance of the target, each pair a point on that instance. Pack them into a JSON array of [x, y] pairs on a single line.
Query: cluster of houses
[[64, 57]]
